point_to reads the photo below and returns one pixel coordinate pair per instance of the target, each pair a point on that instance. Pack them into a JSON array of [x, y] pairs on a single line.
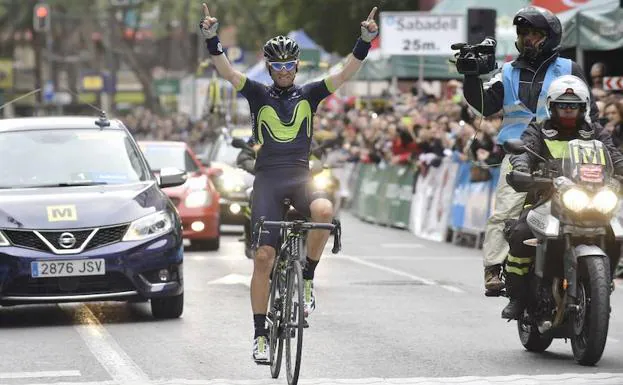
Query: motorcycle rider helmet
[[542, 19], [281, 48], [569, 89]]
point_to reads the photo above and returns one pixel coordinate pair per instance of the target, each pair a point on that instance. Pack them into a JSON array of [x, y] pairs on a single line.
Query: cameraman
[[520, 90]]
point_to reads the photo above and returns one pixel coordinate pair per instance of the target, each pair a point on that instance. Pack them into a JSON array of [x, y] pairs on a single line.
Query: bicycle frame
[[285, 316]]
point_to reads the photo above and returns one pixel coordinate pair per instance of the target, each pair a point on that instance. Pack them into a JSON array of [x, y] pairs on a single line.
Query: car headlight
[[231, 182], [197, 183], [605, 201], [575, 199], [149, 226], [3, 240], [199, 198]]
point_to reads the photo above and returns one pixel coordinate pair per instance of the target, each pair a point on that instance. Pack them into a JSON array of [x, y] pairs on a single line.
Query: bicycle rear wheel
[[294, 318], [275, 325]]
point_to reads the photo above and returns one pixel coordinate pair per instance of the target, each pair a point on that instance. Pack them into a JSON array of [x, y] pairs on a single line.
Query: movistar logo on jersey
[[284, 132]]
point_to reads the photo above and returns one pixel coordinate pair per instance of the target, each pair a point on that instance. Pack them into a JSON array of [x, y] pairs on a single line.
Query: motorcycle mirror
[[514, 146], [315, 166]]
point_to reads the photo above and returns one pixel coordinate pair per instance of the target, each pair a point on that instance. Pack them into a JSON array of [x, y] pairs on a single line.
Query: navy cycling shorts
[[270, 188]]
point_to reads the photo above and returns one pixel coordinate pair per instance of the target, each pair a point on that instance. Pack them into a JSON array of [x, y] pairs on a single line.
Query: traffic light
[[41, 18]]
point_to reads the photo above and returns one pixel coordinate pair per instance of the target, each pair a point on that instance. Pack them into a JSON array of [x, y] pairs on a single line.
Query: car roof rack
[[103, 120]]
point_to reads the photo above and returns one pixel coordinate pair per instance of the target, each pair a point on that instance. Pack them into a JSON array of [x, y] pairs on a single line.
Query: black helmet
[[541, 18], [281, 48]]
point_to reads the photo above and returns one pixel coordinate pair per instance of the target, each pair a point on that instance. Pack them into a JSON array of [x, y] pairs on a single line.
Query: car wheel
[[209, 244], [167, 307]]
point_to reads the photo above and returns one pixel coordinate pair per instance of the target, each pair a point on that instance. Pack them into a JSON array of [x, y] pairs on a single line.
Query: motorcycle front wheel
[[530, 337], [591, 320]]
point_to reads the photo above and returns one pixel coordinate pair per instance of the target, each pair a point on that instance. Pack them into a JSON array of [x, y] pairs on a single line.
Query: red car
[[197, 200]]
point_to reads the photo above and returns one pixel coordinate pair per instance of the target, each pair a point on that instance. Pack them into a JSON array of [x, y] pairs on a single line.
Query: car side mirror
[[171, 177]]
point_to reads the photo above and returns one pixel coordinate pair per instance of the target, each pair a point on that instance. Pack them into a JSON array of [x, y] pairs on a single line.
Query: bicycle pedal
[[262, 362]]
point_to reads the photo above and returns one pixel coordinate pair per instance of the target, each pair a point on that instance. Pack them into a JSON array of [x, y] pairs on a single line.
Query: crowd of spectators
[[397, 129]]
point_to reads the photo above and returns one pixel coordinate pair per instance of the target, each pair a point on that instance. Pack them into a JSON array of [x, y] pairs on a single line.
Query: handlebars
[[299, 226]]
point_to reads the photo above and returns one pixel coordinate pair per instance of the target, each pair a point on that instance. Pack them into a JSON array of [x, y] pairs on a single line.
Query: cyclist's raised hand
[[208, 24], [369, 28]]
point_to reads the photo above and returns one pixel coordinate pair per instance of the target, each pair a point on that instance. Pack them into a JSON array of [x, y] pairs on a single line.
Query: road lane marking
[[237, 257], [402, 245], [104, 347], [401, 273], [518, 379], [452, 288], [232, 279], [414, 258], [41, 374]]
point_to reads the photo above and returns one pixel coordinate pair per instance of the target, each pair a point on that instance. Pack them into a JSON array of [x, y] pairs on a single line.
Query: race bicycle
[[285, 317]]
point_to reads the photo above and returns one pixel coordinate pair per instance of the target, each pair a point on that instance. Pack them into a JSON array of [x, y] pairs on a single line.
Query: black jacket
[[246, 160], [530, 84], [535, 135]]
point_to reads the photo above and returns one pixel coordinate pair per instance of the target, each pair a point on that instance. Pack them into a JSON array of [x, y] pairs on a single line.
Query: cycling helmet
[[569, 89], [541, 18], [281, 48]]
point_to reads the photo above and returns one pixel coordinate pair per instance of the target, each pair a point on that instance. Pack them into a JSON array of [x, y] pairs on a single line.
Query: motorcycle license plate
[[591, 173]]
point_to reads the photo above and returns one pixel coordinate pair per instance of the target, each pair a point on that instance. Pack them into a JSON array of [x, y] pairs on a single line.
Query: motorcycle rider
[[568, 111], [520, 90], [246, 157]]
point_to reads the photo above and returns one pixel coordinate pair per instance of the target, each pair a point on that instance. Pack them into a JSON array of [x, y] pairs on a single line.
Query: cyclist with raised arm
[[282, 123]]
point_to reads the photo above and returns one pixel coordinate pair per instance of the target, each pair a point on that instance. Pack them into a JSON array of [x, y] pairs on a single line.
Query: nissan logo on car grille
[[67, 240]]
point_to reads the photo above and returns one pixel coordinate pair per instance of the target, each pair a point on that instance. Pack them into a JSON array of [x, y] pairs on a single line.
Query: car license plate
[[42, 269]]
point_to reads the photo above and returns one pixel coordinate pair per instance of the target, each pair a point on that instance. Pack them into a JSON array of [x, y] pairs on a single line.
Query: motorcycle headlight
[[575, 199], [605, 201], [3, 240], [322, 181], [149, 226], [200, 198]]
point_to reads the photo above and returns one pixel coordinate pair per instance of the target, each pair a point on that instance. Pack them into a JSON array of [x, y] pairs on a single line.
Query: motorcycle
[[570, 279], [323, 180]]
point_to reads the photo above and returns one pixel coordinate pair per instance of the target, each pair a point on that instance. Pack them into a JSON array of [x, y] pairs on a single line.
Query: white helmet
[[569, 89]]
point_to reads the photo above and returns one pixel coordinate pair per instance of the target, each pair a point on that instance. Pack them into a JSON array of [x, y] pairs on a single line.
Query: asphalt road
[[392, 308]]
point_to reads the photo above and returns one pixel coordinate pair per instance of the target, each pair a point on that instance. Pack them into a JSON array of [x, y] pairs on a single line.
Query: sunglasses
[[524, 31], [568, 106], [278, 66]]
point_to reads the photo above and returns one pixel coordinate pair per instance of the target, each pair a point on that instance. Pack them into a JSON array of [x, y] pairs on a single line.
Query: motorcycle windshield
[[586, 162]]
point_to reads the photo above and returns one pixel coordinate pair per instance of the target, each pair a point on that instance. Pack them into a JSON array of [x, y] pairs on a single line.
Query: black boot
[[517, 289]]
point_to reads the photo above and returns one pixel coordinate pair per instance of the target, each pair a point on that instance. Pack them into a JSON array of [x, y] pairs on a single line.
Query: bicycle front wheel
[[295, 318], [275, 324]]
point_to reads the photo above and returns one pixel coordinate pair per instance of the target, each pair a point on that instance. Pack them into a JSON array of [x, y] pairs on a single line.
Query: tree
[[333, 24]]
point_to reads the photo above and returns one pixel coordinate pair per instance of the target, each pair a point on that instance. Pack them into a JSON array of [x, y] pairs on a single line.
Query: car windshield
[[65, 157], [226, 154], [159, 156]]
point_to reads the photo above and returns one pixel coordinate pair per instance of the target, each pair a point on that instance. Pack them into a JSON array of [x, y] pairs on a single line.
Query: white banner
[[430, 208], [420, 33]]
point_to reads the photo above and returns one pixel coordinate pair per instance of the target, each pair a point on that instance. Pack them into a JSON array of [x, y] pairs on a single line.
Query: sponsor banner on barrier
[[444, 198], [472, 202], [432, 201], [399, 197]]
